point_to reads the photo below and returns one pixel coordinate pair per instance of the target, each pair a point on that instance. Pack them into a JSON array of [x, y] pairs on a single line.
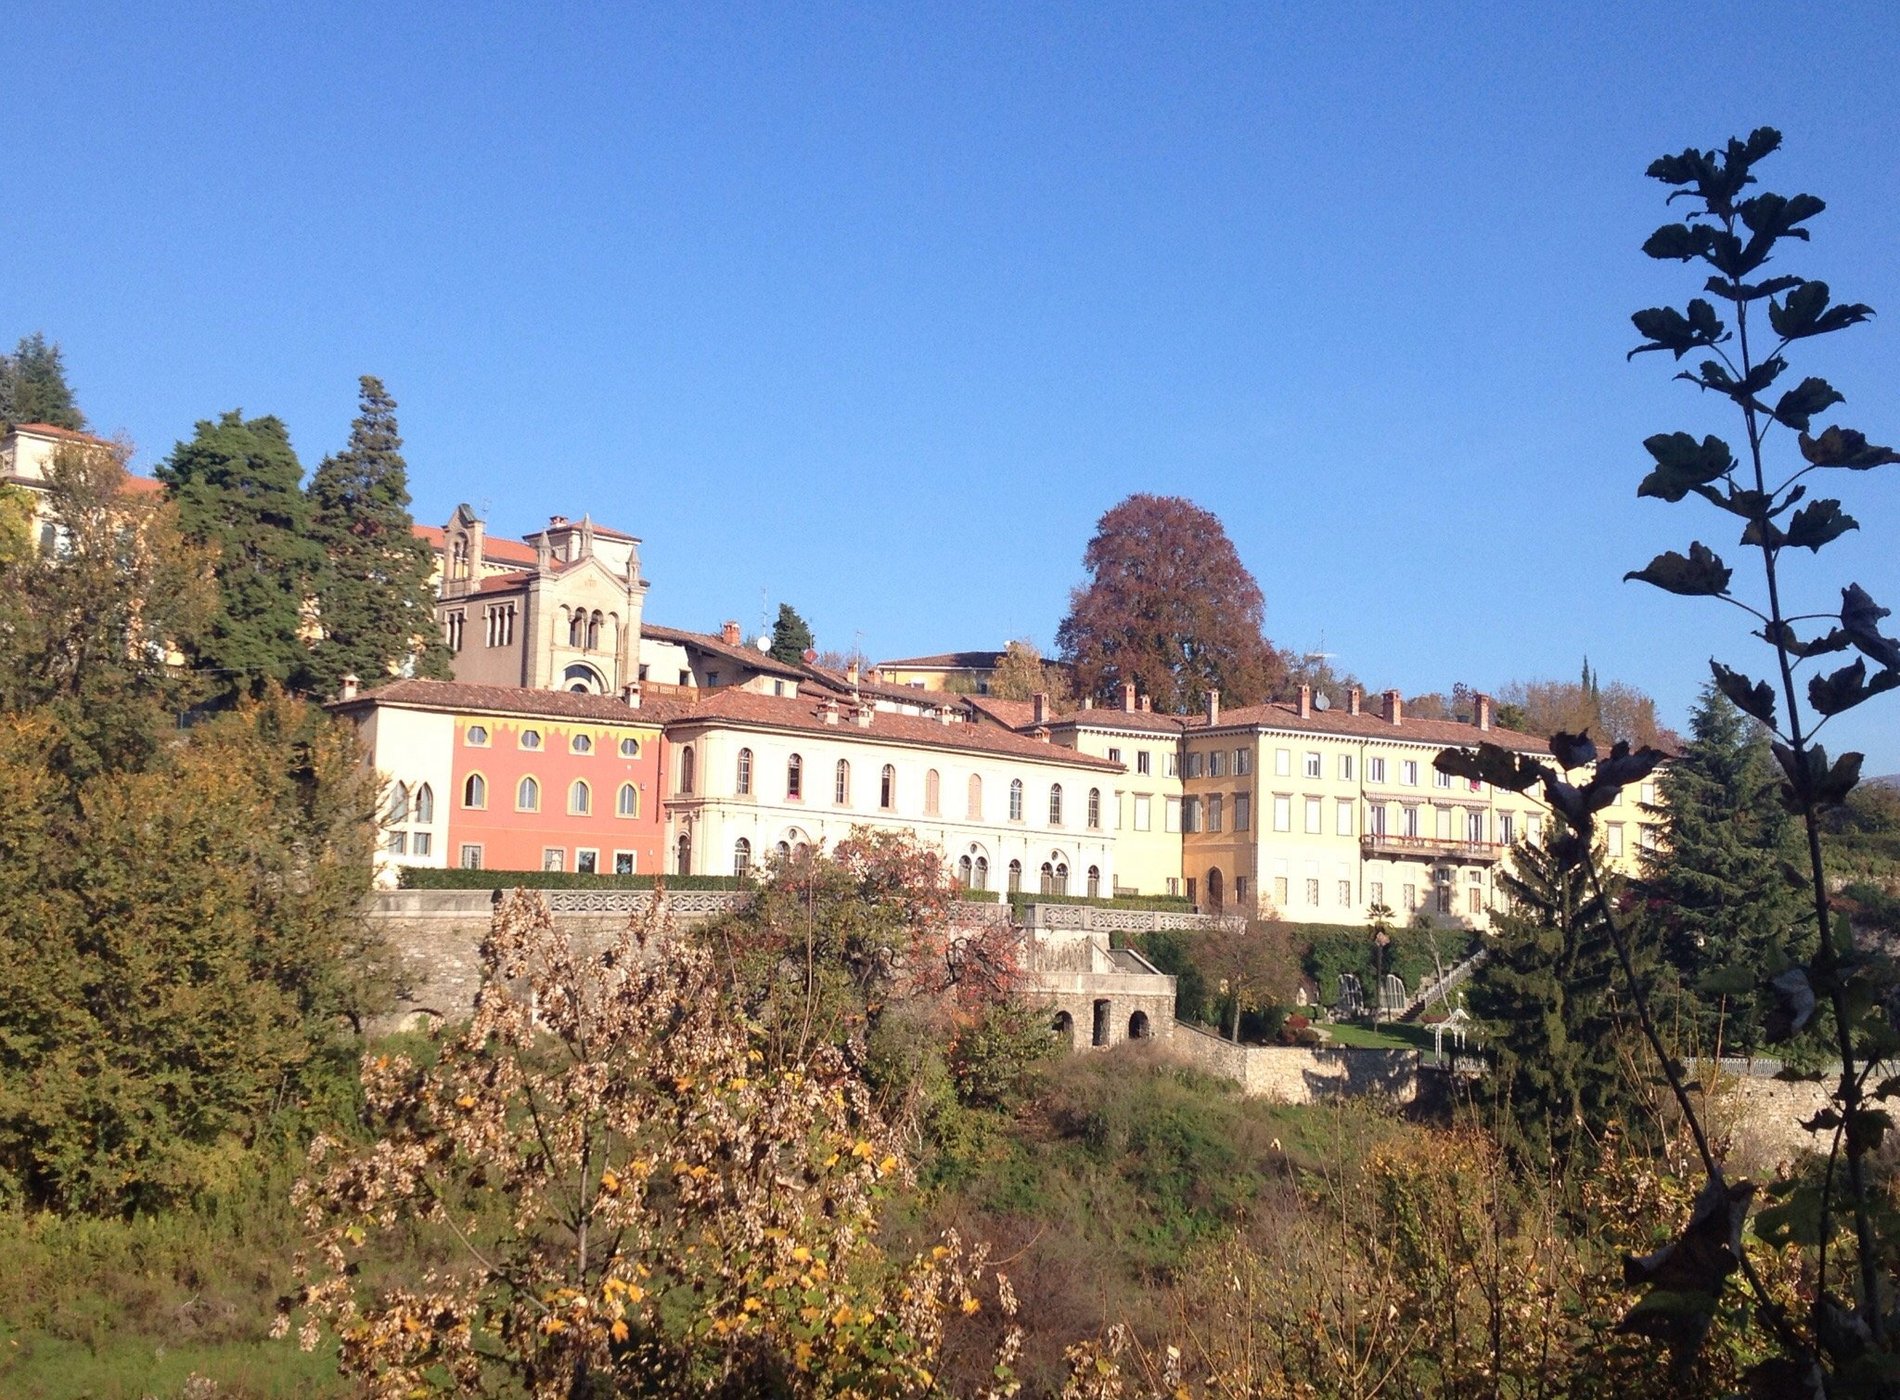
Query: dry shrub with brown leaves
[[640, 1202]]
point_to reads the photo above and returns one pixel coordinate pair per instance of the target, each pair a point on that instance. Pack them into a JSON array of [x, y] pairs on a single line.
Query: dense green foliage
[[1161, 903], [791, 636], [1560, 1038], [33, 387], [1717, 896], [375, 602], [238, 486]]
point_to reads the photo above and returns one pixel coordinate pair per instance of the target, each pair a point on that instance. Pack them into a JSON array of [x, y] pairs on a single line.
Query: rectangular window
[[1408, 772], [1195, 763], [1646, 838], [1507, 828], [1174, 885], [1376, 891], [1614, 833], [587, 862], [1217, 764], [1474, 900], [1534, 828], [397, 843], [553, 858], [1213, 812], [1408, 821], [1282, 812], [1312, 816], [1240, 889], [1410, 893], [623, 862], [1279, 890], [1114, 755], [1375, 819], [1144, 811], [1442, 780], [1174, 765], [1443, 817], [1243, 811], [1345, 894], [1474, 826], [1312, 892], [1312, 765], [1191, 814], [1342, 818], [1283, 763], [422, 843], [1345, 768], [1446, 894], [1648, 794], [1144, 762], [471, 858], [1375, 770], [1171, 817]]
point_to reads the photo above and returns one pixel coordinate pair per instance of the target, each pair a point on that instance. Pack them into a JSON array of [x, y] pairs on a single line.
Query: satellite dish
[[1320, 702], [762, 642]]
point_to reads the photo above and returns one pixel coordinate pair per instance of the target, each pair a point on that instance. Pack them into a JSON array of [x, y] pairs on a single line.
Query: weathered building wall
[[1300, 1073]]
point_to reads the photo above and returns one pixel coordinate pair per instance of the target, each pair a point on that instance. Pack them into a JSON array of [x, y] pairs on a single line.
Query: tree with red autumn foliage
[[1169, 606]]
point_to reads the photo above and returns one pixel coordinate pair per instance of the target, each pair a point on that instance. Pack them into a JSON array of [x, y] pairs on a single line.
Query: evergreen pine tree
[[791, 636], [1551, 1012], [375, 603], [1714, 888], [238, 485], [33, 387]]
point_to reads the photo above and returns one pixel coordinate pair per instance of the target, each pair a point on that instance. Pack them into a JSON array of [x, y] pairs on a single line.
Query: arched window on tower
[[593, 631], [425, 804], [577, 629]]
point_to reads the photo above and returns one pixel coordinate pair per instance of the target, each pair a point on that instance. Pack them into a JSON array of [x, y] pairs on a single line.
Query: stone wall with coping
[[1302, 1074]]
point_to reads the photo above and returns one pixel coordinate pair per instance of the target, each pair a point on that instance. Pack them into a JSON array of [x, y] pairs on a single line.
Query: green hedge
[[417, 877], [1168, 903]]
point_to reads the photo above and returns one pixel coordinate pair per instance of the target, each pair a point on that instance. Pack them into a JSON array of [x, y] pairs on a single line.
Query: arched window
[[965, 872], [629, 748], [459, 558], [580, 743], [887, 788], [425, 804], [530, 739], [577, 629], [1062, 880], [794, 778], [1015, 799], [1048, 885], [932, 792], [1015, 877], [580, 799], [841, 783], [475, 791], [1055, 804], [528, 796], [1095, 882], [743, 782], [593, 631], [741, 857], [683, 855], [398, 805], [628, 802], [686, 771], [784, 850], [976, 798], [982, 874], [1095, 809]]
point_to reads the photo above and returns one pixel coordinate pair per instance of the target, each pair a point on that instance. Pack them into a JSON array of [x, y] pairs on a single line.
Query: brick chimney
[[1128, 697], [729, 633], [1040, 700], [1088, 702], [1353, 697], [1213, 707], [1305, 710], [350, 684], [630, 692], [1394, 707], [1485, 707], [851, 674]]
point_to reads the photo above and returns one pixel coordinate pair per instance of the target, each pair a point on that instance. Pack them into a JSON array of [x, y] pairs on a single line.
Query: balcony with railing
[[1378, 845]]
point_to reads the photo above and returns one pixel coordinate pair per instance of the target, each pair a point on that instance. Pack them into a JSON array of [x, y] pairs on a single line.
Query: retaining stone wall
[[1300, 1073]]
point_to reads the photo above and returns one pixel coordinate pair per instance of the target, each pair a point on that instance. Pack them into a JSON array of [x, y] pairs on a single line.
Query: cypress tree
[[791, 636], [376, 606], [238, 485], [33, 387], [1553, 1015], [1716, 895]]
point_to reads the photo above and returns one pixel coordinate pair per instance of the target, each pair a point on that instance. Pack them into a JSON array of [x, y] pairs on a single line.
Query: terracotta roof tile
[[800, 714], [1011, 714], [464, 697], [498, 548], [64, 434], [1365, 725], [949, 660], [719, 646]]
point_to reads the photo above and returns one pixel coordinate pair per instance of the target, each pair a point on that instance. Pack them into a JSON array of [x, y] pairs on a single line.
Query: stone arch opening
[[1063, 1028], [1138, 1028]]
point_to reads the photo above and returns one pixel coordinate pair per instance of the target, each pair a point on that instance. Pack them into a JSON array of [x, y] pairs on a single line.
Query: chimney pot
[[851, 673], [1353, 697], [1040, 700], [1128, 697], [729, 633], [1484, 709], [1306, 702], [1394, 707], [1213, 707], [350, 684]]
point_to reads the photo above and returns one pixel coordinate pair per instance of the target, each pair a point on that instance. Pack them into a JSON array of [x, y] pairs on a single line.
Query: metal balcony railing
[[1430, 848]]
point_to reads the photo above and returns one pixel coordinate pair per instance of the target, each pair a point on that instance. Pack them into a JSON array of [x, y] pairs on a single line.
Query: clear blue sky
[[876, 309]]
